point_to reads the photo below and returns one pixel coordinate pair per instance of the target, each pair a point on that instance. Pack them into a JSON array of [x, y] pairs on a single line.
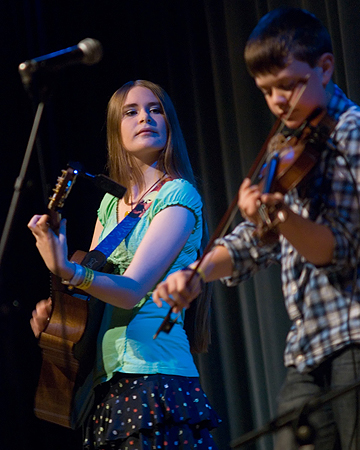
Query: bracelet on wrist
[[201, 274], [198, 271], [88, 279], [77, 277]]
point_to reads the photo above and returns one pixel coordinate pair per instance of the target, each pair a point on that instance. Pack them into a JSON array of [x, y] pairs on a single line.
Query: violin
[[288, 160], [282, 163]]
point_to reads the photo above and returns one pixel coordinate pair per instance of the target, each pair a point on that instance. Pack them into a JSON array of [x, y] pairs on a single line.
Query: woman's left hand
[[52, 247]]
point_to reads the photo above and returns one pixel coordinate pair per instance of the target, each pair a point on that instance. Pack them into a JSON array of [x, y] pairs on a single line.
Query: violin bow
[[229, 215], [221, 229]]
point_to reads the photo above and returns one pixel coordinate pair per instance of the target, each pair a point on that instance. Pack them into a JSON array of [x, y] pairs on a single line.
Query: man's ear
[[326, 65]]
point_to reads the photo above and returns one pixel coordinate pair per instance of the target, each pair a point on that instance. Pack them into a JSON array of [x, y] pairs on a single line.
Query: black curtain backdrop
[[194, 49]]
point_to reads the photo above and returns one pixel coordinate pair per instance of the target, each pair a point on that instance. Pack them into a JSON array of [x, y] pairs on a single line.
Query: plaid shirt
[[323, 303]]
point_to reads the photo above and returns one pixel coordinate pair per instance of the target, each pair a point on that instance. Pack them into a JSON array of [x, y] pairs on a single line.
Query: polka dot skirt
[[149, 412]]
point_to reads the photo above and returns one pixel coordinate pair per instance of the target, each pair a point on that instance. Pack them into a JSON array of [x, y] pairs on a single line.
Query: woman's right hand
[[52, 247], [40, 317]]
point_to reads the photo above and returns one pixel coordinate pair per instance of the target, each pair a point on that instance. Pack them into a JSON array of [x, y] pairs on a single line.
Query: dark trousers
[[337, 423]]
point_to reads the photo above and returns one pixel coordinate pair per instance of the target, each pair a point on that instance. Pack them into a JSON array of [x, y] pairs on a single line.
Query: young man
[[289, 54]]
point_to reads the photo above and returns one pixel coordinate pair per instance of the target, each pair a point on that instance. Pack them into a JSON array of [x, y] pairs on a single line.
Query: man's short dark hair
[[284, 33]]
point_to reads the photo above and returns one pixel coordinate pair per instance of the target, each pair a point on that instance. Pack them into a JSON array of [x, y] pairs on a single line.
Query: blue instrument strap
[[123, 228], [113, 239]]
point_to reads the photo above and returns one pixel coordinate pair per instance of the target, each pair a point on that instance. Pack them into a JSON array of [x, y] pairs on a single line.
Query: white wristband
[[78, 276]]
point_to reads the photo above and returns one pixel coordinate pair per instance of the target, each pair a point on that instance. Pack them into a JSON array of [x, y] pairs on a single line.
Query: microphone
[[88, 51]]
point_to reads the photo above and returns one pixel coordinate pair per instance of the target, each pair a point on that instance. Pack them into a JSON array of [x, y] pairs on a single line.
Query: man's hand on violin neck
[[251, 198]]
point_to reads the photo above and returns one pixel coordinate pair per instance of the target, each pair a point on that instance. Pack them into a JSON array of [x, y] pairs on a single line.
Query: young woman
[[148, 392]]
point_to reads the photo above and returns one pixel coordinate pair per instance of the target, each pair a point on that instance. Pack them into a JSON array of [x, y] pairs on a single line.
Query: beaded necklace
[[133, 205]]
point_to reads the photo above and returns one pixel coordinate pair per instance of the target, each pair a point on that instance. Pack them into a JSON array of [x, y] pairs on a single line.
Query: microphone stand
[[39, 89], [20, 180], [297, 418]]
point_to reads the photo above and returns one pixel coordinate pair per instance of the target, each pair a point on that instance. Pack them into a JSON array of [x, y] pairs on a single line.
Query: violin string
[[296, 101]]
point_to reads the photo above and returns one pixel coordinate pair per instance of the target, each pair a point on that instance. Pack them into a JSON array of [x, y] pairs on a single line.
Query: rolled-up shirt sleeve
[[247, 256]]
